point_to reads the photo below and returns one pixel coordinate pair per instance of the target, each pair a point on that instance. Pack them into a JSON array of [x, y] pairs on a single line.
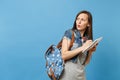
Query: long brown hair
[[88, 31]]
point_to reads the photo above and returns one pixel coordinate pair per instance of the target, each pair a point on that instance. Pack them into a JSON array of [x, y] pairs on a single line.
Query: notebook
[[95, 42]]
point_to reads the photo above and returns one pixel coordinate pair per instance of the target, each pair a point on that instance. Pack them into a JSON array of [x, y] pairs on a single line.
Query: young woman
[[75, 60]]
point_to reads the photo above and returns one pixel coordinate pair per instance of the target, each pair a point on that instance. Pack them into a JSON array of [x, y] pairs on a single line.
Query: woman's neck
[[82, 33]]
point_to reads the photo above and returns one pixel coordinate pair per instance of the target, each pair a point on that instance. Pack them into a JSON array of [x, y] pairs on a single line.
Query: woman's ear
[[88, 25]]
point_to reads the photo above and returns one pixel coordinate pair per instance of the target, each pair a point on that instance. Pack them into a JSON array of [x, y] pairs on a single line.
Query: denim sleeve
[[68, 34]]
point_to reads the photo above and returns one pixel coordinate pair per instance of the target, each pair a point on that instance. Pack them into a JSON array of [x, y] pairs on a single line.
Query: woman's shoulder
[[68, 33]]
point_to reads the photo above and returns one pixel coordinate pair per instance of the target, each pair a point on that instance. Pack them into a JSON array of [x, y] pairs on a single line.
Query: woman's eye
[[83, 19]]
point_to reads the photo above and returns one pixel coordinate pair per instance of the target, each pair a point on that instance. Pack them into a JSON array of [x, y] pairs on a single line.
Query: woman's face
[[82, 22]]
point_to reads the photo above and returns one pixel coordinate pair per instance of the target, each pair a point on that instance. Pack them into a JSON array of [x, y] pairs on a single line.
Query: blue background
[[29, 27]]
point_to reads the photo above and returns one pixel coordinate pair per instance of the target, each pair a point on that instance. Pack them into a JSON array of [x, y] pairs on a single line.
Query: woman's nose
[[79, 22]]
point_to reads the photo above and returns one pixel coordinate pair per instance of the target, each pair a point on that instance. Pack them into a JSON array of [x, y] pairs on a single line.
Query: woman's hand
[[93, 49], [86, 45]]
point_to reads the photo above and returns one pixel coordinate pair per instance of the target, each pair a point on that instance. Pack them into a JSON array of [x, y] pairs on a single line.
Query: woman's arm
[[90, 52], [66, 54]]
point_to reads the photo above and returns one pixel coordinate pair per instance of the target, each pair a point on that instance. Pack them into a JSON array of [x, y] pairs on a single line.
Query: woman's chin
[[79, 29]]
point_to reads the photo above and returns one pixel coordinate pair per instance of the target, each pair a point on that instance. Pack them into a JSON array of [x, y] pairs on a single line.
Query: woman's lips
[[79, 26]]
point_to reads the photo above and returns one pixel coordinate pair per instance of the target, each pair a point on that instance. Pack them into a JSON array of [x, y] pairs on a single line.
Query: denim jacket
[[77, 43]]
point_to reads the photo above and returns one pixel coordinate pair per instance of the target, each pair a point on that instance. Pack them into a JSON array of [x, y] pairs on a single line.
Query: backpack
[[54, 61]]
